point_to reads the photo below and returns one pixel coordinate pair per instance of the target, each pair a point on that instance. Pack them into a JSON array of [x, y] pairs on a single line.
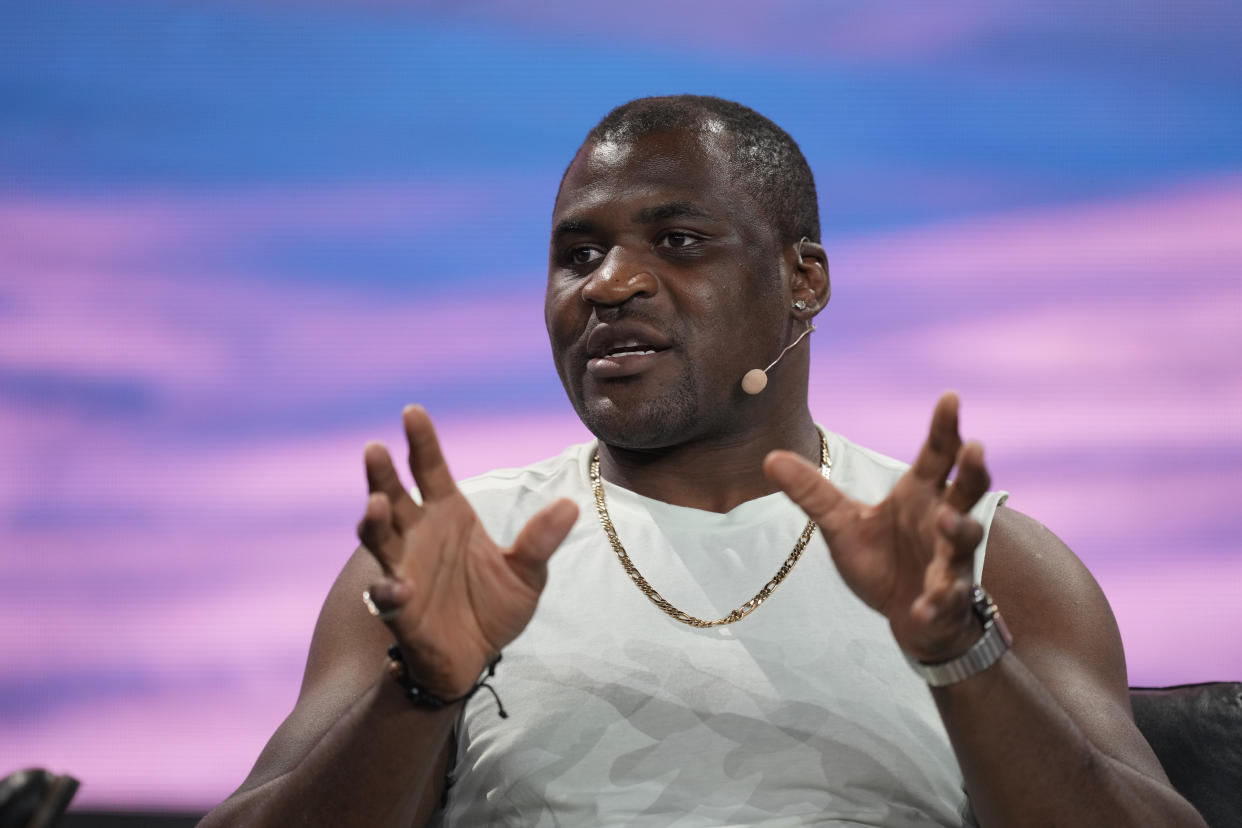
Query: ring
[[369, 603]]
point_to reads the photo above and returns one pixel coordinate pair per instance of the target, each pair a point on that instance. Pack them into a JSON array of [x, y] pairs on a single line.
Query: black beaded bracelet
[[422, 697]]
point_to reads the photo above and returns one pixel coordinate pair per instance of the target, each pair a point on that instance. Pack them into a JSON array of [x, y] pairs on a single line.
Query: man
[[644, 687]]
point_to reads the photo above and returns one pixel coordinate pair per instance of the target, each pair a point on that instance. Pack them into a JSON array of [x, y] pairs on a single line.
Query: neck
[[715, 472]]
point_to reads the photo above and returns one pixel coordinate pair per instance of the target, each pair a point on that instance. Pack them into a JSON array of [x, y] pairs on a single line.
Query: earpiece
[[756, 379]]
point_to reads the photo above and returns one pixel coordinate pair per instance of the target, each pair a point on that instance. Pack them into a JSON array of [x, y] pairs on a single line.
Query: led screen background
[[236, 238]]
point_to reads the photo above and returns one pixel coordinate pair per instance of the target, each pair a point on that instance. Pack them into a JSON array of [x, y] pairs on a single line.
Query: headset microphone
[[756, 379]]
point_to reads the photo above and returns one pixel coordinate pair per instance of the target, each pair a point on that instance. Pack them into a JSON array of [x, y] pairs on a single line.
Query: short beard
[[668, 419]]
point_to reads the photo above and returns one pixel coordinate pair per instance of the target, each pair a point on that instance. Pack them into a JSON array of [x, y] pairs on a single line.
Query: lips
[[618, 339], [630, 347], [623, 349]]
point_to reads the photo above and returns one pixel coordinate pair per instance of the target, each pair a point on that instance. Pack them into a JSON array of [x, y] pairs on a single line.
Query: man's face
[[664, 288]]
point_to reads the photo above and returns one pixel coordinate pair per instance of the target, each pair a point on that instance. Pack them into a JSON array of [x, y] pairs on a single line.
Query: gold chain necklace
[[597, 485]]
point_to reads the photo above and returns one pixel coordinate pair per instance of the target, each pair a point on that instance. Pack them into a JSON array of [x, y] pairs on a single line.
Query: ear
[[809, 280]]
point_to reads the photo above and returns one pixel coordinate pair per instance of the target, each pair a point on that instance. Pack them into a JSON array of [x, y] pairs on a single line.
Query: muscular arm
[[353, 751], [1045, 736]]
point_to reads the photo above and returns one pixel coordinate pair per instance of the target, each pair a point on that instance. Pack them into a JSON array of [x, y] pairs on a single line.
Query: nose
[[620, 277]]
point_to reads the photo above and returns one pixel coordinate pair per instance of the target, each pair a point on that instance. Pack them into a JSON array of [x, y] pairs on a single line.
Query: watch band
[[993, 644]]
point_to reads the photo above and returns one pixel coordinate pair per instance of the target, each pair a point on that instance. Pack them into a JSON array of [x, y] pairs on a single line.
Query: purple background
[[236, 237]]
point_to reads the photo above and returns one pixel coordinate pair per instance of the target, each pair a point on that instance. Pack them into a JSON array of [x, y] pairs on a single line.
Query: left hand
[[911, 556]]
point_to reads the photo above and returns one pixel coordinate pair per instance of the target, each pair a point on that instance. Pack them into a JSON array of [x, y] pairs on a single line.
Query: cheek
[[744, 330], [563, 315]]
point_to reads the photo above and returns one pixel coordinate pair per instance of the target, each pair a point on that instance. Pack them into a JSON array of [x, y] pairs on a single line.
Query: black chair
[[34, 798], [1196, 732]]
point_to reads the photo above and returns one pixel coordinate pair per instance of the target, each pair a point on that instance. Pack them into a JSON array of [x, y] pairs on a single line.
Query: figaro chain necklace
[[597, 486]]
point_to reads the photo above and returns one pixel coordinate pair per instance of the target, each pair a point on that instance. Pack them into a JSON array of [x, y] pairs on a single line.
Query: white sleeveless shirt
[[803, 713]]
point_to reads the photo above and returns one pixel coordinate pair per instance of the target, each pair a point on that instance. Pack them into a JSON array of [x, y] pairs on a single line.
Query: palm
[[870, 546], [910, 556], [456, 597]]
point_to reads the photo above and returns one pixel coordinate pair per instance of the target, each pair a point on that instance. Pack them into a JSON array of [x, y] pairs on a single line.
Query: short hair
[[764, 154]]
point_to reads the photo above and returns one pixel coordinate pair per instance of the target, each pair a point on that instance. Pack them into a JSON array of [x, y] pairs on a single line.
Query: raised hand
[[911, 555], [452, 597]]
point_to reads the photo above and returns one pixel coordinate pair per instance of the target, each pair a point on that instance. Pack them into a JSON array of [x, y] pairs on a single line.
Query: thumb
[[541, 536], [807, 487]]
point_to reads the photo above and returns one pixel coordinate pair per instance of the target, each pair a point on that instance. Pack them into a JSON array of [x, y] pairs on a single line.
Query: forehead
[[683, 166]]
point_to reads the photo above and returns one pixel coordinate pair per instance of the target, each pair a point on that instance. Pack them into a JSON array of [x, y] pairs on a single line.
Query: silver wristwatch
[[985, 652]]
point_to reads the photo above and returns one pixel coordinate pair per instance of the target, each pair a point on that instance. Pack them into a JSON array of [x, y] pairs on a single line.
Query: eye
[[584, 255], [678, 240]]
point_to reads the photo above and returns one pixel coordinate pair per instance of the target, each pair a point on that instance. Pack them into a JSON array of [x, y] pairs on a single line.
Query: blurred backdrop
[[235, 238]]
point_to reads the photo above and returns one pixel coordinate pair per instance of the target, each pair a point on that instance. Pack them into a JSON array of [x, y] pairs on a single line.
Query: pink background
[[235, 239]]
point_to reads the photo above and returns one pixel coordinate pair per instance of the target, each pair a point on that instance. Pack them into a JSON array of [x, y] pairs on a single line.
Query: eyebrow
[[570, 227], [647, 215], [673, 209]]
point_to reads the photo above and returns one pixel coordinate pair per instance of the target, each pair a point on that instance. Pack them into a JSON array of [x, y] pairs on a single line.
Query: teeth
[[630, 347], [628, 353]]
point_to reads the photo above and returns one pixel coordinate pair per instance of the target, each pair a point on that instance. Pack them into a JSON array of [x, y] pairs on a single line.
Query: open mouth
[[627, 358], [629, 348], [624, 349]]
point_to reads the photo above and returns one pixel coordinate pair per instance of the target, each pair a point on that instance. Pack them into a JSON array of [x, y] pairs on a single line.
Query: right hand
[[452, 597]]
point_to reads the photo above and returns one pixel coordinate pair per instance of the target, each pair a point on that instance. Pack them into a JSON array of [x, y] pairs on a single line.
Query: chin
[[652, 422]]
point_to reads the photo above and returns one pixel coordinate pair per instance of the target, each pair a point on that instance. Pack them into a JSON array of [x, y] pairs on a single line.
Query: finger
[[951, 559], [427, 464], [540, 537], [945, 596], [385, 599], [822, 501], [939, 450], [972, 480], [943, 607], [943, 571], [375, 530], [948, 625], [382, 479], [960, 536]]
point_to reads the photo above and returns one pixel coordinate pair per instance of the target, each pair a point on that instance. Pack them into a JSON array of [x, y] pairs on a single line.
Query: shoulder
[[1064, 632], [1051, 593], [866, 474], [863, 473], [504, 499], [869, 476], [565, 469]]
